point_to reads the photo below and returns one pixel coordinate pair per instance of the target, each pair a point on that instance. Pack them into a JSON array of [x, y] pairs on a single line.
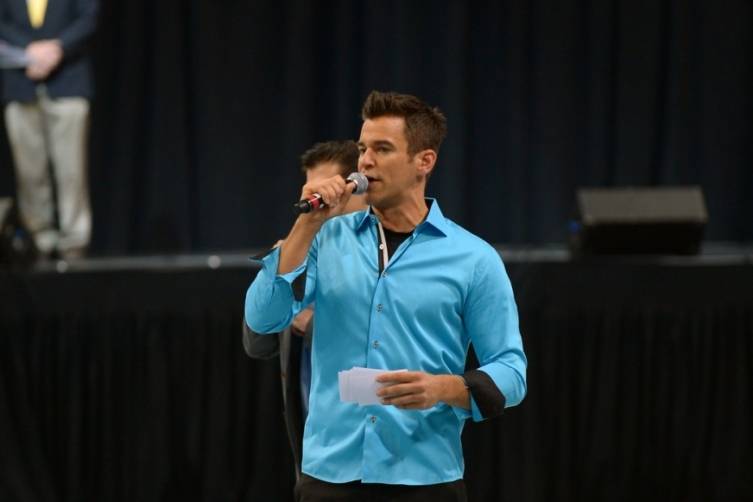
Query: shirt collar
[[363, 218], [434, 220]]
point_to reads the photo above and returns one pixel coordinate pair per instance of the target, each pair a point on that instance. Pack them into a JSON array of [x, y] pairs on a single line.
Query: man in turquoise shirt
[[398, 286]]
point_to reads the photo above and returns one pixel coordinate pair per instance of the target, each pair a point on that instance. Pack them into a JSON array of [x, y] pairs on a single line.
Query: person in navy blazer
[[46, 116]]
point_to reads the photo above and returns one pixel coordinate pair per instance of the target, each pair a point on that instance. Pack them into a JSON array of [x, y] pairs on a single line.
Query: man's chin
[[371, 199]]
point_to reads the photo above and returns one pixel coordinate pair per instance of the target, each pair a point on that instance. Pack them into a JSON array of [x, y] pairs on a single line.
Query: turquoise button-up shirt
[[443, 289]]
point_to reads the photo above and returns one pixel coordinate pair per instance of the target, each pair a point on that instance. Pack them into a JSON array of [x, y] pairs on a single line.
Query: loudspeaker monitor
[[656, 220]]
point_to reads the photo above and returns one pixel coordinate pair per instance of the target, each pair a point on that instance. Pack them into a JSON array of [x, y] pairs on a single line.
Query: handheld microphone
[[358, 182]]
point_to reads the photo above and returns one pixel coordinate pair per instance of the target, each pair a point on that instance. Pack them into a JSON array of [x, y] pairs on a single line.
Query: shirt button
[[376, 344], [373, 419], [384, 274], [380, 307]]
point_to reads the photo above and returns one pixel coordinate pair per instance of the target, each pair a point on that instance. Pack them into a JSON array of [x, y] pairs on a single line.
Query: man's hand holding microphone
[[330, 193], [320, 201]]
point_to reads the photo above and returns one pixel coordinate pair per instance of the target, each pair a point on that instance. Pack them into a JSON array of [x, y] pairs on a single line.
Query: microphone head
[[360, 181]]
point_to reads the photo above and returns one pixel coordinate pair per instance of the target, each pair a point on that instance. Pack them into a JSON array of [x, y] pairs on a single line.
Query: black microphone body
[[356, 181]]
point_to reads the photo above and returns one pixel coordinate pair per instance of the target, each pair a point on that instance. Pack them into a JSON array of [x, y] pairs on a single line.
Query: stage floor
[[712, 253]]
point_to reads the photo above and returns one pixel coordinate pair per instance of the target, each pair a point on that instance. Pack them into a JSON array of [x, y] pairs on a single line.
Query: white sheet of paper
[[359, 385]]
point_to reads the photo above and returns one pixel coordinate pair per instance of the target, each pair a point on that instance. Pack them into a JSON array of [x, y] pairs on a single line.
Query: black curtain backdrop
[[203, 108], [132, 385]]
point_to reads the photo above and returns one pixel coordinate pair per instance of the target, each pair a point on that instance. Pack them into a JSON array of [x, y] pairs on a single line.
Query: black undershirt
[[394, 239]]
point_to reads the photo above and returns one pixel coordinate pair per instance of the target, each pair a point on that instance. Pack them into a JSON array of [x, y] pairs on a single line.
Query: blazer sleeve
[[81, 28]]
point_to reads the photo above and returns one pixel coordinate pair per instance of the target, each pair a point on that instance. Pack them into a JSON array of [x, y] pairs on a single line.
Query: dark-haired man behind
[[396, 287], [293, 344]]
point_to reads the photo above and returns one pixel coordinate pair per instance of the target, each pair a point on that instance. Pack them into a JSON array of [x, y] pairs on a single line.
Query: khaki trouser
[[52, 130]]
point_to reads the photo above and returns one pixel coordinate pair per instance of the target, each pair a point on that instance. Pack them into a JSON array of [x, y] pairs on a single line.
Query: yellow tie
[[37, 8]]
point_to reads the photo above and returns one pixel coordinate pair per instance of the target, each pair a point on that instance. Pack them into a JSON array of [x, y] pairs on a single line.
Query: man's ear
[[425, 161]]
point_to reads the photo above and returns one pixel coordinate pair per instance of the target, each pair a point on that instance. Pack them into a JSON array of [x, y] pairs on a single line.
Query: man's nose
[[366, 160]]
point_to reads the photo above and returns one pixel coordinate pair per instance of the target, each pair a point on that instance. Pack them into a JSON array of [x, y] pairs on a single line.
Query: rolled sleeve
[[270, 300], [491, 319]]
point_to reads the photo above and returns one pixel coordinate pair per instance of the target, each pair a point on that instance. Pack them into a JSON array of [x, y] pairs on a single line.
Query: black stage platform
[[125, 379]]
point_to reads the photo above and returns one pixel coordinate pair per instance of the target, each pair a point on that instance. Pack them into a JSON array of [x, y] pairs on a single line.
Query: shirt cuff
[[270, 262], [487, 400], [270, 300]]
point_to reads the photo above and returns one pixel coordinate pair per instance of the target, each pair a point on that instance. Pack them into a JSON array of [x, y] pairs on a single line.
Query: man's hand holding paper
[[416, 390], [360, 385]]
